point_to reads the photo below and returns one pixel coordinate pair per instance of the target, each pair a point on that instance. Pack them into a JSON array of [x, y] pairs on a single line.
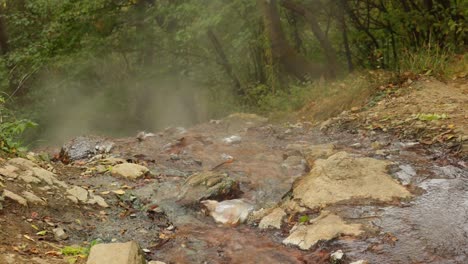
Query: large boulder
[[343, 177], [84, 147]]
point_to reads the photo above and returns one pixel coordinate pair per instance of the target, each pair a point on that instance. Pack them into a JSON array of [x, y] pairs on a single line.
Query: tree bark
[[218, 48], [3, 35], [325, 43], [294, 63], [344, 30]]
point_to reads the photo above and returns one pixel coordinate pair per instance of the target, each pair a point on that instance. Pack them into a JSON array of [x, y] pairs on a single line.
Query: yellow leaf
[[28, 237], [119, 192]]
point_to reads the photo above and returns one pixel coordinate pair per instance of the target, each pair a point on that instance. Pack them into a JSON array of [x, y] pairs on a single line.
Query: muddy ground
[[268, 162]]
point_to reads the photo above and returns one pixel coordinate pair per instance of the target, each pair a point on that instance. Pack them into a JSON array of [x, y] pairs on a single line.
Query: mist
[[103, 98]]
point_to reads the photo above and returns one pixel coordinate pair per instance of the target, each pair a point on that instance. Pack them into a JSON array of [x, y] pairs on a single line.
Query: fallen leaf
[[53, 253], [28, 237], [119, 192], [42, 233], [105, 192]]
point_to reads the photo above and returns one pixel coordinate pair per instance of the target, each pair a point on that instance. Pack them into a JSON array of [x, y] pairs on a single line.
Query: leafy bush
[[11, 130]]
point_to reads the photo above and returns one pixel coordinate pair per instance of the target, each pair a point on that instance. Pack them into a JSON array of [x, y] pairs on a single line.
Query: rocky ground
[[386, 183]]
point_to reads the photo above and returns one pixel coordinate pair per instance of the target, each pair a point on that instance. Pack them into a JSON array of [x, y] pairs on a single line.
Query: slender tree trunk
[[344, 30], [282, 52], [325, 43], [218, 48], [3, 35]]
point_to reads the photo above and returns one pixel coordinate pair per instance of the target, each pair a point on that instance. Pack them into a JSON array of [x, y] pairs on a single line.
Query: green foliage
[[428, 60], [97, 64], [11, 130], [430, 117], [74, 252], [304, 219]]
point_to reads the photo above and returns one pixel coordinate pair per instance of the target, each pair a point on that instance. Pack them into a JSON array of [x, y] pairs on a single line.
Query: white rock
[[337, 255], [232, 140], [229, 212]]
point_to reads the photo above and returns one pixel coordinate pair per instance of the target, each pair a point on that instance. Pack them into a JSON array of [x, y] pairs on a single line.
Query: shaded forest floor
[[419, 131]]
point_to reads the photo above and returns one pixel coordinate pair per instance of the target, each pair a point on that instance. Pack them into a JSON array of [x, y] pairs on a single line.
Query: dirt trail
[[424, 220]]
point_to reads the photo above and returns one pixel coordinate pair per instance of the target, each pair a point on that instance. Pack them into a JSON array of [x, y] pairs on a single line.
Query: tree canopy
[[123, 51]]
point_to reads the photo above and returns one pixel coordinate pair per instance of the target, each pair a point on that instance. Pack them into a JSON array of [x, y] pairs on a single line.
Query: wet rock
[[232, 140], [156, 262], [294, 165], [83, 148], [311, 152], [129, 170], [273, 220], [59, 234], [208, 185], [229, 212], [79, 193], [15, 197], [325, 227], [116, 253], [32, 198], [342, 177], [405, 174]]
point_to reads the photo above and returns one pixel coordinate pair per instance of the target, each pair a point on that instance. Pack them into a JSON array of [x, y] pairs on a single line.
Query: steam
[[108, 101]]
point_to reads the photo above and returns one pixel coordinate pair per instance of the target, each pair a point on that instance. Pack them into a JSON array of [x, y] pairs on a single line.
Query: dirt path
[[393, 196]]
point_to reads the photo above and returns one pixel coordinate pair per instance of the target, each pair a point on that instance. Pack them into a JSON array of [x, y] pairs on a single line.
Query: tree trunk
[[224, 61], [325, 43], [3, 35], [294, 63], [344, 30]]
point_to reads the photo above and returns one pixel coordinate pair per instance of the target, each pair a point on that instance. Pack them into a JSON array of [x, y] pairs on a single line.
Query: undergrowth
[[11, 131]]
